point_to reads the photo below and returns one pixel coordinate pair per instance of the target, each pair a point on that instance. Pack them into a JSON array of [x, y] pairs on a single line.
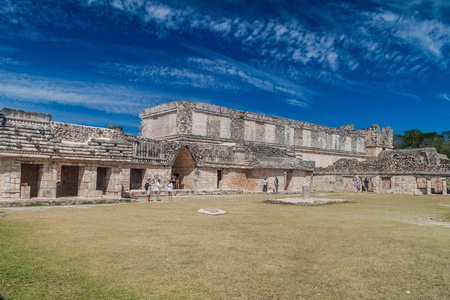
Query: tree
[[415, 138]]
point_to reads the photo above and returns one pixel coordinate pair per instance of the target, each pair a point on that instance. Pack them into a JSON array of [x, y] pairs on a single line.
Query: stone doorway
[[69, 181], [136, 176], [31, 176], [103, 179], [185, 166], [219, 178], [287, 178]]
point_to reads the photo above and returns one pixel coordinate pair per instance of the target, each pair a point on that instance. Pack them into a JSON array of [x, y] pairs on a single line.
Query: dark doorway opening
[[185, 166], [287, 178], [219, 177], [136, 179], [102, 180], [69, 180], [31, 176]]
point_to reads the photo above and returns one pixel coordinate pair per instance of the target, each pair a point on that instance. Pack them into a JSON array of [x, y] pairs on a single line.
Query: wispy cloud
[[296, 102], [10, 61], [390, 40], [278, 54], [212, 72], [444, 96], [101, 97], [393, 42]]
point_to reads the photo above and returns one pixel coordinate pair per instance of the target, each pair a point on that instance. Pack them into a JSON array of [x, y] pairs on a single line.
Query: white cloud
[[445, 96], [296, 102], [102, 97], [10, 61], [430, 36]]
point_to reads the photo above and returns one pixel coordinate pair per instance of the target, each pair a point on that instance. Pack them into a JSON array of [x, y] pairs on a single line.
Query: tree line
[[415, 138]]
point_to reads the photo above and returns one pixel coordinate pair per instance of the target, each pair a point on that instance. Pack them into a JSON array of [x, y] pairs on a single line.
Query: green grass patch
[[34, 204], [376, 249], [30, 269]]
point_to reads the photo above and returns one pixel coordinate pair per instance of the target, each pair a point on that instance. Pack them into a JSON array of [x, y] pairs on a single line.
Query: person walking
[[169, 191], [275, 182], [265, 185], [158, 190], [148, 188]]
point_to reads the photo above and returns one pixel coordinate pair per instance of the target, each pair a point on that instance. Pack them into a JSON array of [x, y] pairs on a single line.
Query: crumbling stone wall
[[377, 141], [414, 171], [398, 161], [79, 133]]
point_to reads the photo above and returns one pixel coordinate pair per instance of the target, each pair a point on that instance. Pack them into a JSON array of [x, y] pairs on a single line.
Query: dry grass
[[376, 249]]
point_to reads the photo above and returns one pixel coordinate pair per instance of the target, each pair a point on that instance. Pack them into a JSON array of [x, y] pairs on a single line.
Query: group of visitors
[[358, 186], [275, 183], [148, 188]]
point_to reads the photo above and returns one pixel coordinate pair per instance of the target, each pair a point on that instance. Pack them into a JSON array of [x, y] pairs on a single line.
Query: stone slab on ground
[[310, 201], [212, 211]]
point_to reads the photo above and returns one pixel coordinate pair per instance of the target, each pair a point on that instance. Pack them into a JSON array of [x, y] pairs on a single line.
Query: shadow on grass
[[2, 298]]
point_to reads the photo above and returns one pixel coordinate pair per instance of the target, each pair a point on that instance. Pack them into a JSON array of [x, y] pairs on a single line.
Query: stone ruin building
[[212, 148]]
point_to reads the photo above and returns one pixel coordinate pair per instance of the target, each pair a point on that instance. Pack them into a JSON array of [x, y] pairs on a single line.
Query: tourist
[[158, 190], [366, 184], [358, 187], [177, 180], [148, 188], [169, 191], [276, 184], [265, 185], [173, 180]]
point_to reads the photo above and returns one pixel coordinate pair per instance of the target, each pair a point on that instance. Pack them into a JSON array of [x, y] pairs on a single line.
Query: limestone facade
[[414, 172], [211, 147], [40, 158], [206, 123]]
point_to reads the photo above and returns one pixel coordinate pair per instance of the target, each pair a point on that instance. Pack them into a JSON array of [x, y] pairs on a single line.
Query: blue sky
[[325, 62]]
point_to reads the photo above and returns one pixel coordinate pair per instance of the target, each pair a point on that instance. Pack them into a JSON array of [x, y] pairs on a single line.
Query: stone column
[[444, 186], [377, 183], [87, 181], [306, 192], [428, 186], [11, 180], [47, 187]]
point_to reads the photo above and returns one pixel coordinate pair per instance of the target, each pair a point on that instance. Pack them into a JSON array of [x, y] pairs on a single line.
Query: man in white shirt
[[158, 189]]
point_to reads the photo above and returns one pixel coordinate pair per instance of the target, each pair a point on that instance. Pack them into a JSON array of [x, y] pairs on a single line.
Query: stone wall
[[82, 134], [377, 141], [415, 171], [206, 123], [425, 160]]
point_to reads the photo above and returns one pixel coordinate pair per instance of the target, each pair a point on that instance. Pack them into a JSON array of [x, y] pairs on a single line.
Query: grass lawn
[[377, 249]]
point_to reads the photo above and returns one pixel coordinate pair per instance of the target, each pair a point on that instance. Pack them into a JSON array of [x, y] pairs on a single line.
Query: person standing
[[265, 185], [148, 188], [158, 190], [169, 191], [173, 179], [366, 184], [276, 184], [358, 187], [177, 180]]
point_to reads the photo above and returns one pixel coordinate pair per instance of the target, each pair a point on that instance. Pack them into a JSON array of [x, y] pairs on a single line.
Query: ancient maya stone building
[[212, 148]]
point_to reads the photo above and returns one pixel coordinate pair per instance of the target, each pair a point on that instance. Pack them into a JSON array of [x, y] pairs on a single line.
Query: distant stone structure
[[414, 172], [212, 148]]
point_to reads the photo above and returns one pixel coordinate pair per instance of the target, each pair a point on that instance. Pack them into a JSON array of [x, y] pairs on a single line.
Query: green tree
[[415, 138]]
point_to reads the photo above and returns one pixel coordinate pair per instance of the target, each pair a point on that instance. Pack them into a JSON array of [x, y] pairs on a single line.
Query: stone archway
[[185, 166]]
